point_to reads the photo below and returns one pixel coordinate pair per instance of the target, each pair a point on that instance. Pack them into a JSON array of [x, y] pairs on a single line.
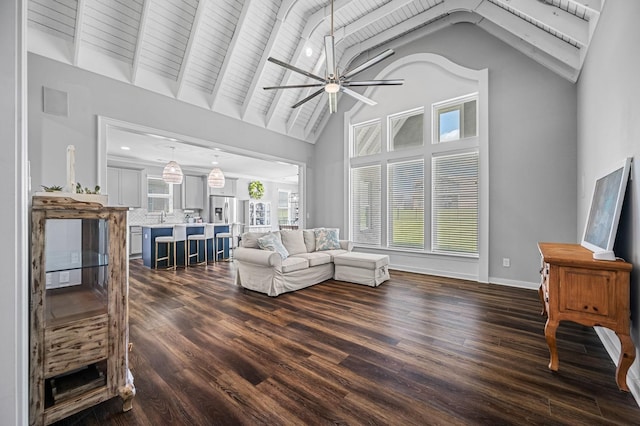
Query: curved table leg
[[627, 355], [541, 295], [550, 335]]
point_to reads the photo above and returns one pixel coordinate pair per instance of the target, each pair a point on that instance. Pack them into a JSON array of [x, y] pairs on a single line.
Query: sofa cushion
[[294, 263], [309, 240], [362, 260], [334, 253], [315, 258], [293, 241], [271, 241], [327, 239], [250, 239]]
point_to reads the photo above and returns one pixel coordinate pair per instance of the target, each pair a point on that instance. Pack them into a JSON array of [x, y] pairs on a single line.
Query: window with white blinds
[[454, 222], [406, 204], [366, 204]]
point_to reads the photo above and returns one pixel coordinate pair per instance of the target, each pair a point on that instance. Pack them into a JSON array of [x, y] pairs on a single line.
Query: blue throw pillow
[[272, 243], [327, 239]]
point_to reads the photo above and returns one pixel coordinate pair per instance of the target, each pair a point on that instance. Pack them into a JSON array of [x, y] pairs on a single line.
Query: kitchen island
[[150, 232]]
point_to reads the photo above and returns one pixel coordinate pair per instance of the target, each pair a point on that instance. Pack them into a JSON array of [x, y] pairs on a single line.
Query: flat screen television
[[604, 214]]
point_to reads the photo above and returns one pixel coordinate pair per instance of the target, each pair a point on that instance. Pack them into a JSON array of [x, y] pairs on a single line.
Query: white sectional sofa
[[305, 263]]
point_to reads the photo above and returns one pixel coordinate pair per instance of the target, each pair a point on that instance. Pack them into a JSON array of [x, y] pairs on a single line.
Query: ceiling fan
[[335, 82]]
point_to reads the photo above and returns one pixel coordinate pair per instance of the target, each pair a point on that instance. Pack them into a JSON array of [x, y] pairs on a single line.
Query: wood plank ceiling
[[213, 53]]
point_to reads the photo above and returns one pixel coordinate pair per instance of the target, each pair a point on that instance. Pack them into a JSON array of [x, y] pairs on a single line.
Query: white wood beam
[[141, 32], [593, 6], [557, 19], [186, 58], [535, 36], [343, 32], [77, 33], [224, 69]]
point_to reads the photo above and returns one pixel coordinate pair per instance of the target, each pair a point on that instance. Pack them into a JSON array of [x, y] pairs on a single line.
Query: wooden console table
[[590, 292]]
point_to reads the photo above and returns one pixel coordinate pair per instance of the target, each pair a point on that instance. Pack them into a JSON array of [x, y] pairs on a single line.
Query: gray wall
[[14, 257], [532, 145], [609, 131], [91, 95]]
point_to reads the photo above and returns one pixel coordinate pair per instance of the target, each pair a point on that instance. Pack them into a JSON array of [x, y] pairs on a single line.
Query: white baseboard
[[514, 283], [612, 345], [437, 273]]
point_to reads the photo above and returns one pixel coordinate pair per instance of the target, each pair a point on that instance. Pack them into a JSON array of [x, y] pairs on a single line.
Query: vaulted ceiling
[[213, 53]]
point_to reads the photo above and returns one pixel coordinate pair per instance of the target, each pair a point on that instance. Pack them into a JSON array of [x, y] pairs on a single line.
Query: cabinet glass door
[[76, 269]]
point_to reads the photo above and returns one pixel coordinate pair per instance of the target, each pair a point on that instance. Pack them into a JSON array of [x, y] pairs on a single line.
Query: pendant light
[[172, 172], [216, 178]]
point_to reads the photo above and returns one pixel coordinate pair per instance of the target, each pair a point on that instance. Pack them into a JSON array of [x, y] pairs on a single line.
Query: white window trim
[[435, 124], [407, 113], [446, 265]]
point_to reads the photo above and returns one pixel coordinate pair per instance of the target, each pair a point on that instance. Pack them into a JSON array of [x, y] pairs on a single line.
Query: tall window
[[395, 181], [454, 223], [406, 204], [366, 205]]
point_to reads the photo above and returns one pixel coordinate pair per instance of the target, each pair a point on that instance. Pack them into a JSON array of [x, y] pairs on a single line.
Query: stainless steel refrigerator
[[222, 209]]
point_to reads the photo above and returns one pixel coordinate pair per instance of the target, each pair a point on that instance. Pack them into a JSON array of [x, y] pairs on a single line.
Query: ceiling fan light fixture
[[332, 88], [216, 178]]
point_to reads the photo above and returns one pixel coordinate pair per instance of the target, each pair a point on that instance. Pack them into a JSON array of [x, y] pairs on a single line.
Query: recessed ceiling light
[[308, 51], [214, 162], [125, 148]]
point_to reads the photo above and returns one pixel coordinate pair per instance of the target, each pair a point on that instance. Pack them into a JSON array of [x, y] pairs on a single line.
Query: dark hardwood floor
[[417, 350]]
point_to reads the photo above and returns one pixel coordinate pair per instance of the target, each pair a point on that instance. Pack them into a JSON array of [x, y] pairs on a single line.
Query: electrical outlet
[[75, 257], [64, 277], [506, 262], [48, 279]]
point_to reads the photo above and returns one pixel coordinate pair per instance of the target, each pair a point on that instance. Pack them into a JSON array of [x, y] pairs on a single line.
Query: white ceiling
[[154, 149], [187, 49]]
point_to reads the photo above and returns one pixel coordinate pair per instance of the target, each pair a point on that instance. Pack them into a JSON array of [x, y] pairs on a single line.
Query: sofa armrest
[[346, 245], [257, 256]]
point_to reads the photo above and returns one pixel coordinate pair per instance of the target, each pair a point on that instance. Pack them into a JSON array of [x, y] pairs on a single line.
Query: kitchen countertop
[[170, 225]]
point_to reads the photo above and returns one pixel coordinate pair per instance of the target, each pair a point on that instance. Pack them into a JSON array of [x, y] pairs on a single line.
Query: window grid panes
[[159, 195], [455, 203], [366, 139], [456, 121], [366, 205], [406, 131], [283, 207], [406, 204]]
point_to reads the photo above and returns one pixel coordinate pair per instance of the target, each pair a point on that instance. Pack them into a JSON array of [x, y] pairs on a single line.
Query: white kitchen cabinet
[[177, 196], [194, 193], [124, 187], [229, 189]]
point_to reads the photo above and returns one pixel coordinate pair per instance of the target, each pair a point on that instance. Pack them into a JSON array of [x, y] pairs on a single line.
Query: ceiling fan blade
[[333, 102], [358, 96], [295, 86], [330, 53], [308, 98], [398, 82], [296, 69], [371, 62]]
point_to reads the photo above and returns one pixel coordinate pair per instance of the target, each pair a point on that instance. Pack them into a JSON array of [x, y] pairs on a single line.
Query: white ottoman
[[362, 268]]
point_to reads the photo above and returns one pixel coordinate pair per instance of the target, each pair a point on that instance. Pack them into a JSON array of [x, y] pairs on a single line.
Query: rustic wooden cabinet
[[590, 292], [79, 308]]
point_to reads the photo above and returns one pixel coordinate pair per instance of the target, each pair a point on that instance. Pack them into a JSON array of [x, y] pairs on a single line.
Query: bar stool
[[225, 236], [206, 236], [179, 234]]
